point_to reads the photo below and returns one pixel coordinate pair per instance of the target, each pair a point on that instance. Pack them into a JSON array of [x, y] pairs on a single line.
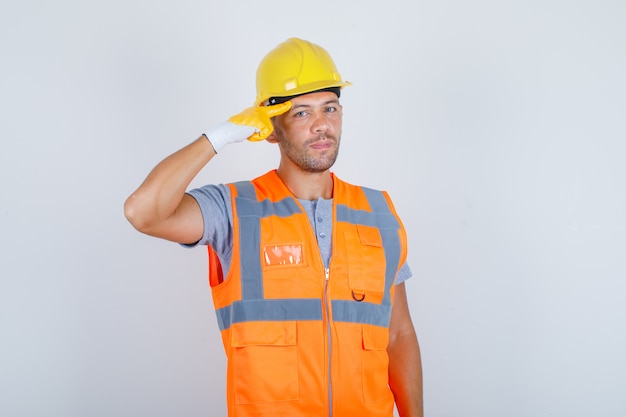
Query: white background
[[498, 127]]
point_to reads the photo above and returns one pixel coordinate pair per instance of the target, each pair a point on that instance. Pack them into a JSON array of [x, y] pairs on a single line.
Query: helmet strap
[[278, 100]]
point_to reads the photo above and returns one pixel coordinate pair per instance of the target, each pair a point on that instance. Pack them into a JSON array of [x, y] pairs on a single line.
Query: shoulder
[[213, 200], [211, 189], [349, 185]]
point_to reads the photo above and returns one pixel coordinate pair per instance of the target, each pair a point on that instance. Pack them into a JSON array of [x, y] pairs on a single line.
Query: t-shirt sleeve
[[216, 208], [404, 273]]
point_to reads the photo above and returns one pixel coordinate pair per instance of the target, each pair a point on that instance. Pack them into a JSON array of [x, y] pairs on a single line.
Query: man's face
[[309, 133]]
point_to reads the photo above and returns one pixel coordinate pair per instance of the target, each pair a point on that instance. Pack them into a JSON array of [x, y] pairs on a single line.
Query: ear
[[272, 138]]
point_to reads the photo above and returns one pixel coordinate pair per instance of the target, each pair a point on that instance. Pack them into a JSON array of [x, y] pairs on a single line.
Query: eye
[[331, 109], [301, 113]]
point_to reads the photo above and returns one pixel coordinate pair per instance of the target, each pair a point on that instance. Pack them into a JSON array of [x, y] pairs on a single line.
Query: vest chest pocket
[[265, 361], [367, 264], [281, 255]]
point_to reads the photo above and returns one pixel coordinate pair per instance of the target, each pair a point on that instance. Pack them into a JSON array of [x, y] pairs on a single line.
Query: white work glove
[[254, 124]]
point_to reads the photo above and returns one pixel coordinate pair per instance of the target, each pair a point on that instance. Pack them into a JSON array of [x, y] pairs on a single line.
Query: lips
[[323, 142], [322, 145]]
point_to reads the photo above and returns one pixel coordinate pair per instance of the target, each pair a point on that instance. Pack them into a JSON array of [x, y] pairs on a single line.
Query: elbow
[[136, 214]]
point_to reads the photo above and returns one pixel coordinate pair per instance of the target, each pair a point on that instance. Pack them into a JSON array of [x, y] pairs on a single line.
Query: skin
[[308, 137], [405, 363]]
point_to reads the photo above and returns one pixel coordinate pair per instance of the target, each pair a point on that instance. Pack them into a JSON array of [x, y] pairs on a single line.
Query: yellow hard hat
[[295, 67]]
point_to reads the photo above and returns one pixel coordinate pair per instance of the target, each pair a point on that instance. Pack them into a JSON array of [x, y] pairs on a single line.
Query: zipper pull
[[327, 272]]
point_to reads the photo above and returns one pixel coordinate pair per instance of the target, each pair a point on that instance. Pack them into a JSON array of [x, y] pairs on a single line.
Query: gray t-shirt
[[215, 204]]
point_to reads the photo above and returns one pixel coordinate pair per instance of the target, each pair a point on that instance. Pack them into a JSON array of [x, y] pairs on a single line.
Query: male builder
[[307, 271]]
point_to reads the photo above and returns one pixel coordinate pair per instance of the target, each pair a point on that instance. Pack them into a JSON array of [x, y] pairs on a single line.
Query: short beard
[[303, 159]]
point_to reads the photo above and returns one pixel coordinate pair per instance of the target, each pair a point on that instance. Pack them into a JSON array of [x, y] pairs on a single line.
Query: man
[[307, 272]]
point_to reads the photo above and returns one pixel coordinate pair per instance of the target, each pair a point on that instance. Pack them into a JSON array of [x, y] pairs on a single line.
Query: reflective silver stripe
[[265, 208], [245, 189], [391, 243], [367, 313], [253, 306], [269, 310], [250, 211], [376, 200], [251, 274], [382, 218]]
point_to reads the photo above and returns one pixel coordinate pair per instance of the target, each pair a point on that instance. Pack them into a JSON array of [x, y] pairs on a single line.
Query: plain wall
[[498, 127]]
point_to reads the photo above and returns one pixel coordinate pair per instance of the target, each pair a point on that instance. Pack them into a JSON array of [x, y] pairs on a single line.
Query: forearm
[[159, 206], [161, 193], [405, 374]]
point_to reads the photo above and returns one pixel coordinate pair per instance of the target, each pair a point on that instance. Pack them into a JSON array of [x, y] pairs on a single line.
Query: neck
[[307, 185]]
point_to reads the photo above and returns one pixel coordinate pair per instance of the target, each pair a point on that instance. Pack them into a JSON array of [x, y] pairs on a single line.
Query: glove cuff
[[226, 133]]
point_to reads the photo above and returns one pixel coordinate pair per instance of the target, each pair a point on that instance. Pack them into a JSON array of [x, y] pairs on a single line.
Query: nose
[[320, 123]]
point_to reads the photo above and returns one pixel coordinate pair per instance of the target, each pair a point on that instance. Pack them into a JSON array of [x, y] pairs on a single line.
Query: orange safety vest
[[303, 340]]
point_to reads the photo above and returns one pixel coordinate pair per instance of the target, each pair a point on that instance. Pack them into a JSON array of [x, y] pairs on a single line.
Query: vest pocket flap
[[366, 255], [369, 236], [375, 337], [263, 364], [264, 333]]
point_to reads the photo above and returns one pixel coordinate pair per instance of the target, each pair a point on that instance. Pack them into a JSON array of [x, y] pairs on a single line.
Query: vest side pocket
[[265, 360], [375, 364]]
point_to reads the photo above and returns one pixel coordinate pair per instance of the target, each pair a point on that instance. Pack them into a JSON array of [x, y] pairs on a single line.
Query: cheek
[[289, 131], [278, 133]]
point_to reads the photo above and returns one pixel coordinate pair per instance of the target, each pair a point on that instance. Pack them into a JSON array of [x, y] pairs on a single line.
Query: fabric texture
[[302, 338], [216, 207]]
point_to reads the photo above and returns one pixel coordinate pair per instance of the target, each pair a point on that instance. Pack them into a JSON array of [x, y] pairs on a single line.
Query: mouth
[[322, 145], [324, 142]]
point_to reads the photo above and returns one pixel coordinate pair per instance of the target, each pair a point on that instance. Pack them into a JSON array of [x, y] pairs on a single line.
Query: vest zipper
[[326, 306], [330, 344]]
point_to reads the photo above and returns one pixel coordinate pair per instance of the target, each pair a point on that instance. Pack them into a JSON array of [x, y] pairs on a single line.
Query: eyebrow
[[333, 101]]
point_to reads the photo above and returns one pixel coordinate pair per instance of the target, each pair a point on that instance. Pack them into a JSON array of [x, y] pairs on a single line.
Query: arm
[[160, 207], [405, 364]]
